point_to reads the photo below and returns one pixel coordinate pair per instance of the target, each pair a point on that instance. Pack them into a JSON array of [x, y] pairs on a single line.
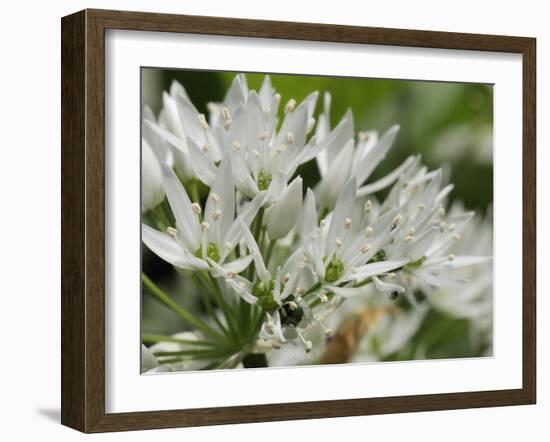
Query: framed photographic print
[[268, 220]]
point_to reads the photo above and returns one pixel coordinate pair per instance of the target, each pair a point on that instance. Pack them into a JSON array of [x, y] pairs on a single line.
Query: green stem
[[194, 191], [208, 305], [226, 309], [269, 251], [188, 317], [152, 339]]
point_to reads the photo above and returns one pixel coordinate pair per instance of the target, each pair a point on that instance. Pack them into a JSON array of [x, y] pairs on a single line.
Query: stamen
[[307, 344], [289, 138], [369, 231], [391, 276], [202, 121], [364, 136], [441, 211], [338, 242], [215, 197], [216, 214], [451, 227], [196, 208], [286, 278], [172, 232], [204, 226], [305, 258], [368, 206], [408, 238], [442, 225], [365, 248], [281, 148], [228, 244], [300, 290], [264, 135], [456, 236], [231, 275], [226, 113], [277, 99], [322, 297], [412, 231], [292, 305], [212, 107], [270, 327], [328, 331], [236, 146], [396, 221], [347, 224], [290, 105], [256, 153], [310, 125], [451, 257], [422, 206]]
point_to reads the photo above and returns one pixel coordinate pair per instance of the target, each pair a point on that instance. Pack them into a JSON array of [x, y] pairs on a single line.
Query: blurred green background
[[450, 124]]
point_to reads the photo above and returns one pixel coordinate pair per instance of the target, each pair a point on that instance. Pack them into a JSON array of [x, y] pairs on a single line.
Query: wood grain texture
[[83, 219]]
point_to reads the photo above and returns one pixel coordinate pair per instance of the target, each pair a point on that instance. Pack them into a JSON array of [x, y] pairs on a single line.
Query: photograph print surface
[[295, 220]]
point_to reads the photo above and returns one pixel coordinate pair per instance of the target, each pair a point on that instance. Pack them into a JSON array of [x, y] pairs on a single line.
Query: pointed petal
[[283, 214], [376, 154], [348, 292], [309, 217], [382, 286], [338, 173], [342, 211], [252, 246], [220, 204], [168, 249], [376, 268], [186, 220], [204, 168]]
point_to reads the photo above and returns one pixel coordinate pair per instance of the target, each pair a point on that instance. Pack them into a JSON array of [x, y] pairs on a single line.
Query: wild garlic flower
[[199, 235], [344, 156]]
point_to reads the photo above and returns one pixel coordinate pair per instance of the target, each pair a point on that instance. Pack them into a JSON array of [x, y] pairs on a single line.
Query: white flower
[[243, 127], [195, 238], [344, 157], [341, 251]]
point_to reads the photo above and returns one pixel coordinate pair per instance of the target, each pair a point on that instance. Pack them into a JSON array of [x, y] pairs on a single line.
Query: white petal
[[221, 198], [262, 271], [387, 180], [276, 188], [309, 217], [238, 265], [168, 249], [246, 216], [186, 220], [283, 214], [152, 192], [376, 268], [241, 291], [347, 292], [338, 173], [382, 286], [189, 117], [375, 155], [204, 168], [342, 211]]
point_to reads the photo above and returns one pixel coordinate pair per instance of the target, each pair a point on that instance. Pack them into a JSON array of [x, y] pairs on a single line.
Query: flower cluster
[[273, 256]]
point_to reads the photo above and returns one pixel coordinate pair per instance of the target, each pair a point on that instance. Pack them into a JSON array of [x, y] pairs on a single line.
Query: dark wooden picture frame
[[83, 219]]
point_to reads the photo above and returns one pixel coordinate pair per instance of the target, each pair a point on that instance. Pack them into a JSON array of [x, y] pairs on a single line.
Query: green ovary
[[264, 180], [380, 256], [264, 293], [334, 270], [212, 252]]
